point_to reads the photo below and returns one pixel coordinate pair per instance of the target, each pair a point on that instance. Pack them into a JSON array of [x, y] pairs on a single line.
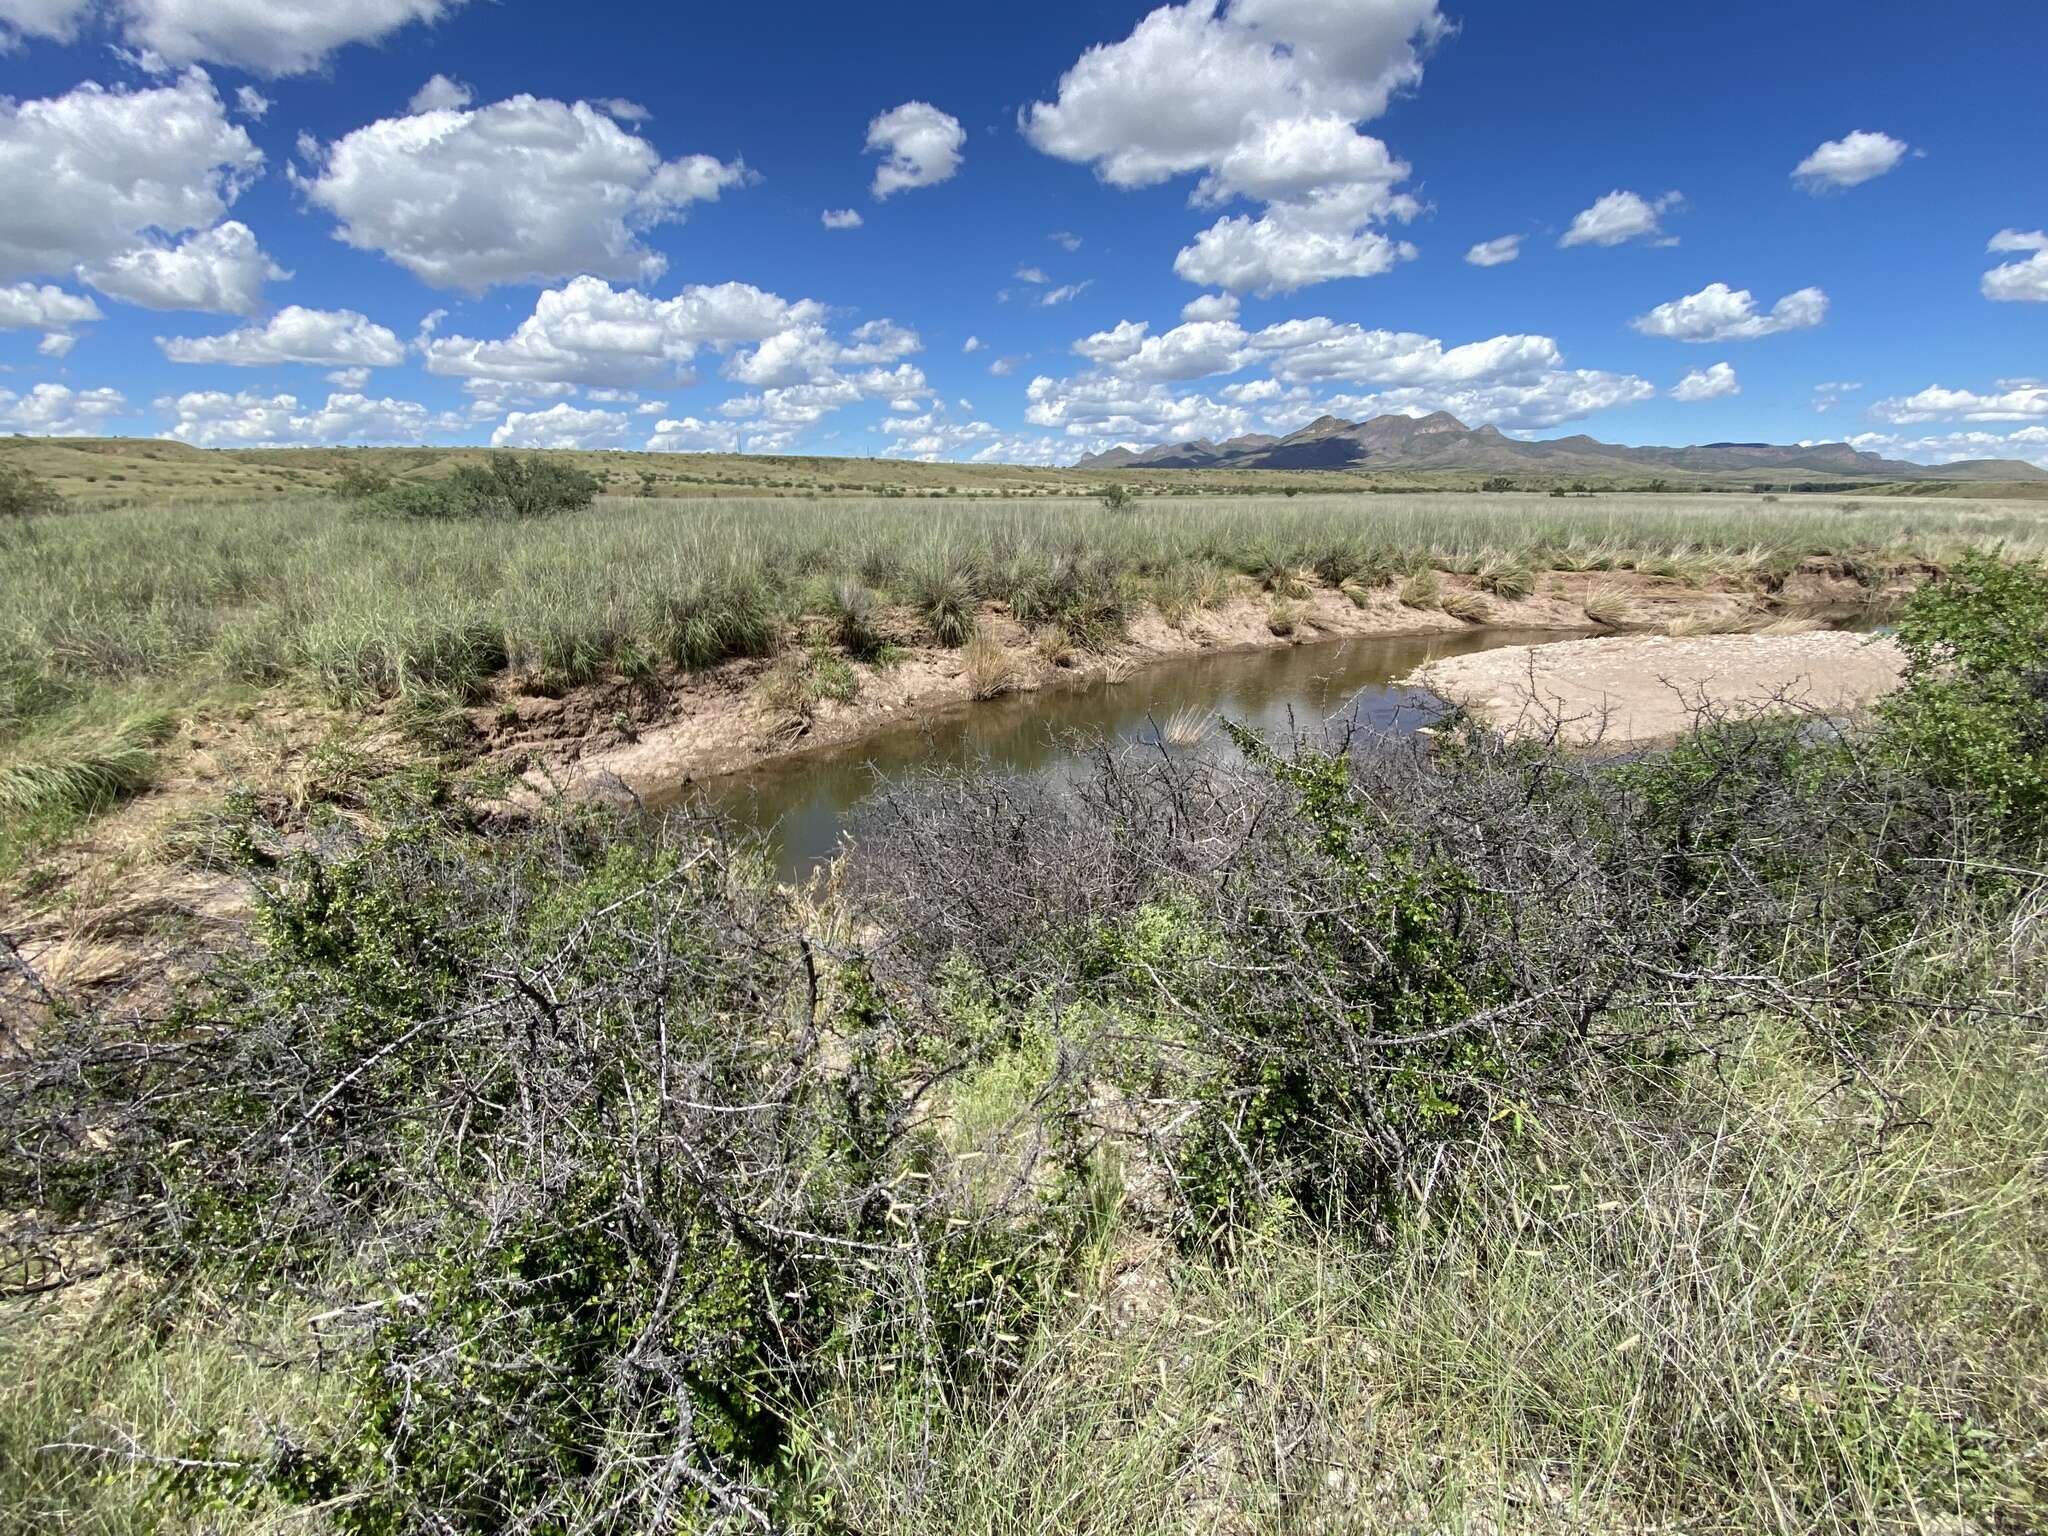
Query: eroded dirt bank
[[1619, 690], [650, 737]]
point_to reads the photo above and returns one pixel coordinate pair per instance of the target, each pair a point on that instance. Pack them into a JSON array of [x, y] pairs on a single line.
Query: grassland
[[119, 471], [115, 619]]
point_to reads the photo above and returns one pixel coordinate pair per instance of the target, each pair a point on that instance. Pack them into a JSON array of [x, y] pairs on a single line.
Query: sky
[[1023, 233]]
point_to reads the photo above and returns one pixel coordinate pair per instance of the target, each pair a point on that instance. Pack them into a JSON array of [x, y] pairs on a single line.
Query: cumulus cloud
[[588, 332], [972, 344], [295, 334], [1262, 97], [213, 418], [1849, 161], [2011, 400], [1275, 253], [919, 146], [57, 20], [219, 270], [1620, 217], [1707, 384], [523, 190], [441, 93], [562, 426], [54, 410], [1720, 313], [1128, 394], [45, 308], [840, 218], [1210, 306], [266, 37], [2019, 282], [1494, 253], [98, 179], [2028, 444], [689, 435], [250, 102]]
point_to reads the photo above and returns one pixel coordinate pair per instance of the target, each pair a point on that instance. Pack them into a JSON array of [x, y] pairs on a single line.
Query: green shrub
[[1973, 713], [505, 486], [24, 495]]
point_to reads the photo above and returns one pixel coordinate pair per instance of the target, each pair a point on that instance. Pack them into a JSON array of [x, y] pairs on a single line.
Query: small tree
[[25, 495], [1116, 497]]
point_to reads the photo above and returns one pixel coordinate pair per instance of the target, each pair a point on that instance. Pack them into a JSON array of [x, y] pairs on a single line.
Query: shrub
[[356, 482], [854, 612], [25, 495], [1973, 714], [505, 486], [946, 597], [1116, 497]]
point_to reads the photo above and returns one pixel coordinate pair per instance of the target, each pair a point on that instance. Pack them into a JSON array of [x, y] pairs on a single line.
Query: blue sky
[[255, 222]]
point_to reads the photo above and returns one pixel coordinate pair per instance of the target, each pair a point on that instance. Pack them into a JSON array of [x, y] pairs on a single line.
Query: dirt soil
[[649, 738], [1649, 688]]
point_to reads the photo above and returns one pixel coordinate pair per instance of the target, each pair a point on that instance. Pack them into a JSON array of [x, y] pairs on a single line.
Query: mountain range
[[1441, 441]]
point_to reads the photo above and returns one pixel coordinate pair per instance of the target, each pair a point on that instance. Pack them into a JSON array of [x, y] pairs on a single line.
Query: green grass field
[[112, 617]]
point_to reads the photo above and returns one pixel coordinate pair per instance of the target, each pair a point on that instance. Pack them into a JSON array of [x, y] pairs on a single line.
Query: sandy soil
[[1648, 688], [651, 738]]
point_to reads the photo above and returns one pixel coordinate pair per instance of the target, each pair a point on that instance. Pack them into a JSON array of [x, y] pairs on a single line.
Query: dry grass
[[987, 665]]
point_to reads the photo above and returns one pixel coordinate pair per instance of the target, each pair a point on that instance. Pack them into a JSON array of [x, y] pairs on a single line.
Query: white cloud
[[219, 270], [840, 218], [1720, 313], [972, 344], [54, 410], [57, 344], [1032, 275], [1003, 367], [215, 419], [588, 332], [266, 37], [919, 145], [1066, 240], [321, 337], [350, 379], [250, 102], [2028, 444], [1066, 293], [1829, 395], [57, 20], [1189, 87], [1494, 253], [1515, 381], [1210, 306], [94, 176], [523, 190], [2019, 281], [1849, 161], [1622, 216], [1276, 254], [29, 307], [562, 426], [441, 93], [689, 435], [1263, 98], [1707, 384], [2012, 400]]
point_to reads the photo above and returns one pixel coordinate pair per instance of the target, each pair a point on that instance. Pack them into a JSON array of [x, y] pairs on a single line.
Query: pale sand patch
[[1644, 688]]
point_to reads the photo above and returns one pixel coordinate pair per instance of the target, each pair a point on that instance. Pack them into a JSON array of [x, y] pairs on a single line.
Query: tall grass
[[302, 592]]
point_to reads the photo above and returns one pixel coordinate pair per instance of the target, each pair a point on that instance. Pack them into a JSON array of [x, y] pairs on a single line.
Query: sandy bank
[[1646, 688]]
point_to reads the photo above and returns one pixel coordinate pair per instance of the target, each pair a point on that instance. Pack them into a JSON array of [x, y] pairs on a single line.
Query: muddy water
[[809, 806]]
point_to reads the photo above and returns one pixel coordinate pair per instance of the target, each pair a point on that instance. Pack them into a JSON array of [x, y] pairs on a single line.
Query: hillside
[[1442, 442]]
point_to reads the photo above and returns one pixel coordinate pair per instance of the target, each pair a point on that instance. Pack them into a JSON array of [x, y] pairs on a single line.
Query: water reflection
[[807, 805]]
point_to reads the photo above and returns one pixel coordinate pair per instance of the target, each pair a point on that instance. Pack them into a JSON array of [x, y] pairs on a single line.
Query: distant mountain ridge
[[1441, 441]]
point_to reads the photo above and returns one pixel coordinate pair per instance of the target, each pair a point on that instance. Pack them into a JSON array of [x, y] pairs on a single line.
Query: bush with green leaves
[[1973, 714], [24, 495], [505, 486]]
